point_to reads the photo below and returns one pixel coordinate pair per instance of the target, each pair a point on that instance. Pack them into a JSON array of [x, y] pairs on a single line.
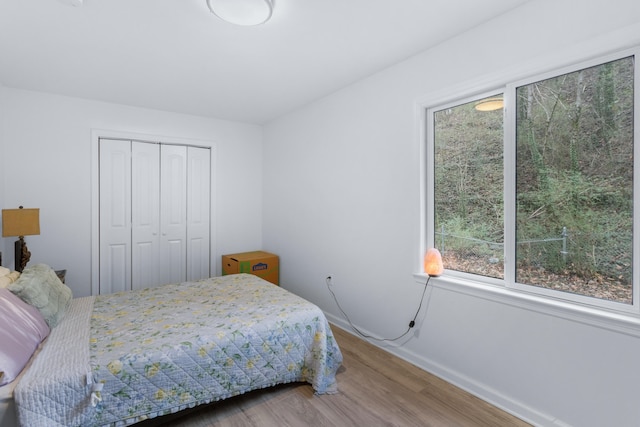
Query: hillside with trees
[[574, 183]]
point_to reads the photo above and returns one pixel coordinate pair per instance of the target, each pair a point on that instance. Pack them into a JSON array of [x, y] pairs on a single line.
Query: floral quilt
[[160, 350]]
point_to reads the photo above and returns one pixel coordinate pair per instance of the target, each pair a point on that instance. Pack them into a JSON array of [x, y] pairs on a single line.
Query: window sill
[[628, 324]]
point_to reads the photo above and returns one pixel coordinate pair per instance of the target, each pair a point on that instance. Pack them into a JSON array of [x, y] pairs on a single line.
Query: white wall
[[46, 163], [341, 198]]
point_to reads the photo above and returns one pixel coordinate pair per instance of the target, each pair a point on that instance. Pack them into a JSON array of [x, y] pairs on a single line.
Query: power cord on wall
[[412, 323]]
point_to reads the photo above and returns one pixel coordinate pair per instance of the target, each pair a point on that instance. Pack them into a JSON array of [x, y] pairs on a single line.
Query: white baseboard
[[482, 391]]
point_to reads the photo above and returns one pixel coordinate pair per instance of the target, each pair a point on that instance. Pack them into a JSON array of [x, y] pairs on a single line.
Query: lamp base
[[22, 254]]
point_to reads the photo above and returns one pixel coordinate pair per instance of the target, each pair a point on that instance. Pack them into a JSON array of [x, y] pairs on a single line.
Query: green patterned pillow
[[40, 287]]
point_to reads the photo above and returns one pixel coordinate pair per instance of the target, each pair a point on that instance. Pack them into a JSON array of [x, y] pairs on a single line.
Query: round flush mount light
[[242, 12], [490, 104]]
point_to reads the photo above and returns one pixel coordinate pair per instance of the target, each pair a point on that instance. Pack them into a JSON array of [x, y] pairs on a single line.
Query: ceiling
[[175, 55]]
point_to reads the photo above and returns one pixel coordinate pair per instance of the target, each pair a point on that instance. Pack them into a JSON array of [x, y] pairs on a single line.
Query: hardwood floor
[[375, 389]]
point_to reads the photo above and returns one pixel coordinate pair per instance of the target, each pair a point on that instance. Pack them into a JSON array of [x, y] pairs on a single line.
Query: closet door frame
[[96, 135]]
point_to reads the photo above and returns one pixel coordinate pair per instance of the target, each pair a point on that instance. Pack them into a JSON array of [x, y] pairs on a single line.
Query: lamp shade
[[433, 262], [20, 222]]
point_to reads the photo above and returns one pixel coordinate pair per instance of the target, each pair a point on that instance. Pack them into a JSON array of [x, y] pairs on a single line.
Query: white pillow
[[9, 279], [5, 281], [4, 271]]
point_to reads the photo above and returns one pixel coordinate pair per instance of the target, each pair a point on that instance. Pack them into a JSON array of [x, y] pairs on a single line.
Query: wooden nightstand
[[61, 274]]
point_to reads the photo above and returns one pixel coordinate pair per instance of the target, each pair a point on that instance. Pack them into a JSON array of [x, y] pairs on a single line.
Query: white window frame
[[611, 314]]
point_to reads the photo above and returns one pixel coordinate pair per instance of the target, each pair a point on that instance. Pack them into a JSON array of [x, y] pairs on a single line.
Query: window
[[469, 183], [533, 184]]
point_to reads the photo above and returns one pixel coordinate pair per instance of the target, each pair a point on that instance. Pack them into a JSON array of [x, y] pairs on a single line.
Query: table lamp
[[20, 222], [433, 262]]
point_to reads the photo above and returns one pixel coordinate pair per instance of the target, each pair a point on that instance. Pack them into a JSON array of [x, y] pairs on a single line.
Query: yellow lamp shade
[[433, 262], [20, 222]]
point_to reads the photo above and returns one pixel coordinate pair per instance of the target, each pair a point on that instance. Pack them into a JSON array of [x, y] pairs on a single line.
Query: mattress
[[7, 406], [53, 391], [122, 358]]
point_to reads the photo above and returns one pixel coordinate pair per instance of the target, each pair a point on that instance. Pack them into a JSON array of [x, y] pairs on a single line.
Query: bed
[[126, 357]]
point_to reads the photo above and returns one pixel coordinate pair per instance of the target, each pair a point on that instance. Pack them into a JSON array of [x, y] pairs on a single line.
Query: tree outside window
[[573, 169]]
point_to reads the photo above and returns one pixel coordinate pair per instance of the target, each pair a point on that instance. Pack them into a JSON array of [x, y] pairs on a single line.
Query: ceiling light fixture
[[490, 104], [242, 12]]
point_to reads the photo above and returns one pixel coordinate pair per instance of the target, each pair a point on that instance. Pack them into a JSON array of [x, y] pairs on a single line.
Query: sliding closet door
[[173, 213], [198, 215], [115, 215], [145, 214]]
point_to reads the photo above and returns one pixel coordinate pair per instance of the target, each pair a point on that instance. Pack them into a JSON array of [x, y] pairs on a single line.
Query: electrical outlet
[[330, 280]]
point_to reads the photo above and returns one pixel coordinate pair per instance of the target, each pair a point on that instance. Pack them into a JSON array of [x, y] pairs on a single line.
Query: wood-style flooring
[[375, 389]]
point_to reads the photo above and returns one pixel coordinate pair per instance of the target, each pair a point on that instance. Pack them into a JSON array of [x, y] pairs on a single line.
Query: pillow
[[40, 287], [4, 271], [9, 279], [23, 329], [5, 281]]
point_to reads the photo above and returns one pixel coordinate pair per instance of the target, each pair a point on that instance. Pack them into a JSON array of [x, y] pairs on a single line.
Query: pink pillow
[[23, 328]]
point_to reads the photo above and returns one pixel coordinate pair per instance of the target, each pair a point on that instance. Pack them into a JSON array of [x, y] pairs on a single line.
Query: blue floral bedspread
[[160, 350]]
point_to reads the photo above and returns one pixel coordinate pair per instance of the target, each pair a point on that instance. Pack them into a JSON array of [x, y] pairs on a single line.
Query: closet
[[154, 214]]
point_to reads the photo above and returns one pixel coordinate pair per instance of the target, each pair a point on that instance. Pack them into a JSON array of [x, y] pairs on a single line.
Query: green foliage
[[597, 216], [574, 170], [470, 173], [462, 237]]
